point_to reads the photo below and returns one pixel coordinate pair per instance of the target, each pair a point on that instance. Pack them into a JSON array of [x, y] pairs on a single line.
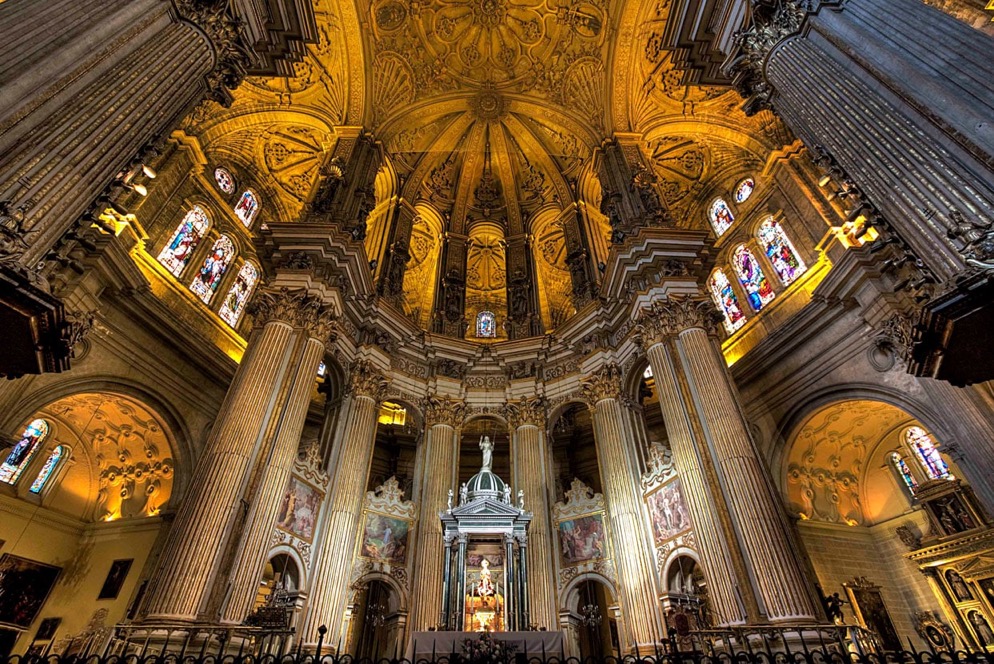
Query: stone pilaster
[[437, 476], [532, 475], [350, 469], [634, 559], [744, 487], [259, 404]]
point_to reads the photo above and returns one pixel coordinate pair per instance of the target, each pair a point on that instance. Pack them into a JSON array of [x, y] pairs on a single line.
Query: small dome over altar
[[485, 484]]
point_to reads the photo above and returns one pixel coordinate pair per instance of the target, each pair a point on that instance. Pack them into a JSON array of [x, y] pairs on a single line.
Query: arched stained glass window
[[486, 325], [209, 277], [721, 216], [724, 297], [756, 285], [780, 251], [225, 182], [744, 190], [177, 252], [924, 448], [239, 294], [248, 206], [23, 451], [46, 471], [901, 466]]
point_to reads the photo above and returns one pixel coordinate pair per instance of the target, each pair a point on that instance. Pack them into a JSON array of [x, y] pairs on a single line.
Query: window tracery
[[751, 276], [46, 472], [224, 181], [207, 280], [724, 297], [178, 251], [928, 456], [720, 216], [247, 208], [19, 457], [239, 293], [781, 252], [486, 325]]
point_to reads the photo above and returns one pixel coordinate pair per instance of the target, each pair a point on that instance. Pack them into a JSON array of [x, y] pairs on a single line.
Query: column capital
[[667, 318], [525, 412], [226, 32], [603, 384], [295, 308], [365, 380], [443, 411]]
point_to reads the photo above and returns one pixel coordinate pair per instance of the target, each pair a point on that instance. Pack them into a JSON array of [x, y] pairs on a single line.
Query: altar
[[425, 645]]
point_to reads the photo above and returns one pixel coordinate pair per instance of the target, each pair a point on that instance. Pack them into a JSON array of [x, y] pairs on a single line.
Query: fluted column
[[697, 481], [744, 483], [274, 473], [437, 477], [907, 121], [201, 539], [350, 469], [634, 559], [111, 78], [531, 475]]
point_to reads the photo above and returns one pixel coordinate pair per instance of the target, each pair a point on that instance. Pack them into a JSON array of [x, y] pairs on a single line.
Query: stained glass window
[[209, 277], [647, 374], [248, 206], [177, 252], [46, 471], [239, 294], [724, 297], [780, 251], [22, 453], [486, 325], [744, 190], [924, 448], [904, 471], [225, 182], [721, 216], [756, 285], [322, 369]]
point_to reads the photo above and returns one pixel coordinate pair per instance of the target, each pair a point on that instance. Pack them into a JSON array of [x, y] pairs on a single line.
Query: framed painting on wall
[[47, 628], [668, 512], [384, 538], [868, 605], [582, 539], [299, 509], [24, 587], [115, 579]]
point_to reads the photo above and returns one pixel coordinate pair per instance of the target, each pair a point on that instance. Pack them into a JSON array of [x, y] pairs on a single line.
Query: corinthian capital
[[365, 380], [443, 411], [605, 384], [225, 30], [667, 318], [295, 308], [521, 413]]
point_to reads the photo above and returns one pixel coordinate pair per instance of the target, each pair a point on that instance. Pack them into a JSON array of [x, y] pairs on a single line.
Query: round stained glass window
[[225, 182], [744, 190]]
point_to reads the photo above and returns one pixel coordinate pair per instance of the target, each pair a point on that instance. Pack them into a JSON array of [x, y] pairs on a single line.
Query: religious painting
[[24, 587], [47, 628], [384, 538], [668, 512], [951, 514], [115, 579], [299, 509], [582, 539], [868, 605]]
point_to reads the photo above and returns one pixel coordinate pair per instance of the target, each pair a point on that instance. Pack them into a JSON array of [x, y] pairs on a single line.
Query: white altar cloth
[[445, 643]]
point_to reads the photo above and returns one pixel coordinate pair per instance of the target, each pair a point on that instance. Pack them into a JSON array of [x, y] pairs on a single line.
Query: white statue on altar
[[488, 452], [485, 586]]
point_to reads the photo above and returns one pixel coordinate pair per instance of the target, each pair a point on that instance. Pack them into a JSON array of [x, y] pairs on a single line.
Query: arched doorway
[[590, 619], [378, 622], [685, 600]]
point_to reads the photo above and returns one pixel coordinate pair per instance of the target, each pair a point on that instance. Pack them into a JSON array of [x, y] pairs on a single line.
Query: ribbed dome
[[485, 485]]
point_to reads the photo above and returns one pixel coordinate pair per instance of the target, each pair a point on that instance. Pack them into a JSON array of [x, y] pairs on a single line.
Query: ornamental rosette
[[605, 384], [667, 318], [365, 380], [523, 413], [444, 411]]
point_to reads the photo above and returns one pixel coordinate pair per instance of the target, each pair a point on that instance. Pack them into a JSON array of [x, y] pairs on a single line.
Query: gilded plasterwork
[[422, 267]]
